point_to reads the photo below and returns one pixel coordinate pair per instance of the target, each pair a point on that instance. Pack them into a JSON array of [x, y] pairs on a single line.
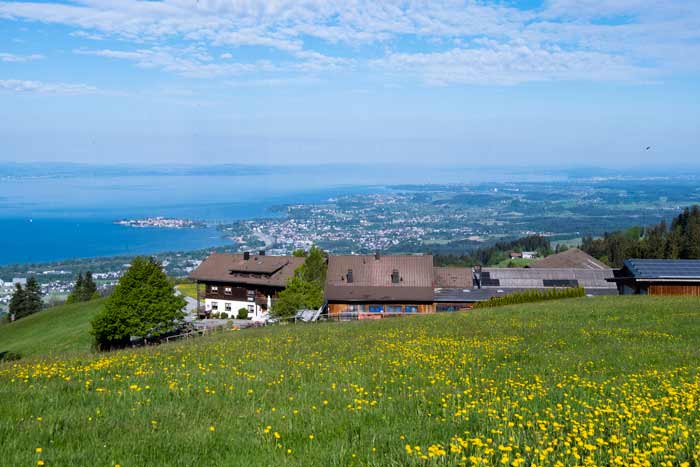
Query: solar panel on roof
[[651, 268]]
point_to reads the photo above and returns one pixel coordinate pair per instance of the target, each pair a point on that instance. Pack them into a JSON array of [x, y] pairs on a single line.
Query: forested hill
[[680, 240], [491, 255]]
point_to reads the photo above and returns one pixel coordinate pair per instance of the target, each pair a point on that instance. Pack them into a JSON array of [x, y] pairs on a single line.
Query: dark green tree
[[143, 304], [18, 303], [89, 291], [34, 295], [76, 294]]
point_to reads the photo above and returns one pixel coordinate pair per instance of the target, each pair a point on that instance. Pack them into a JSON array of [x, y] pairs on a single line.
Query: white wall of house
[[231, 307]]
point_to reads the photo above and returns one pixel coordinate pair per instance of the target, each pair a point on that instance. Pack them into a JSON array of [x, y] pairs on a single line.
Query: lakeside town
[[161, 222]]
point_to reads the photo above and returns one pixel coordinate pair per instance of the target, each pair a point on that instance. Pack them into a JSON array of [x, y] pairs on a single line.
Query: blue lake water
[[50, 219]]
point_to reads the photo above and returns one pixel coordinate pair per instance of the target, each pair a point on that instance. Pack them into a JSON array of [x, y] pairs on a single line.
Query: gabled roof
[[257, 270], [572, 258], [665, 269], [452, 278], [372, 278]]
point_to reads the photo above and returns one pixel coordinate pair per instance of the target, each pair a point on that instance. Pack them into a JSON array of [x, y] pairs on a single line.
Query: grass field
[[189, 290], [53, 331], [603, 381]]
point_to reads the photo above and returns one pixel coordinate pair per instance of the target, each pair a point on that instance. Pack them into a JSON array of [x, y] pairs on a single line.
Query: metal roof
[[529, 278], [664, 268], [572, 258]]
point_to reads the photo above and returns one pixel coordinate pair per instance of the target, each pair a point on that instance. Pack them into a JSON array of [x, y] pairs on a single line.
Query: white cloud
[[12, 58], [24, 86], [191, 62], [442, 41], [509, 64]]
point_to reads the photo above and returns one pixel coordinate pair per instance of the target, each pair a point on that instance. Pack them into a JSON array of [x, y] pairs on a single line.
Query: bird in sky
[[648, 147]]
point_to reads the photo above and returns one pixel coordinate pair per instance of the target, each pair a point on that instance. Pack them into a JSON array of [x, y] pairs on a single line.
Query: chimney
[[477, 275], [395, 276], [261, 253], [348, 276], [246, 256], [376, 255]]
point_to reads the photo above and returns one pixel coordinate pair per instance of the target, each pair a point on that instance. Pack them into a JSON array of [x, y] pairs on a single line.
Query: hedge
[[530, 296]]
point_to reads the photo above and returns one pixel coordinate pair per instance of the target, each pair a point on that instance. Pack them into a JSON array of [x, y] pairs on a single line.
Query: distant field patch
[[189, 290]]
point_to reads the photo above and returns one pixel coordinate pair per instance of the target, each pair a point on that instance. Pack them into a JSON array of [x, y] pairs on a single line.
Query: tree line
[[84, 289], [496, 253], [26, 300], [680, 240]]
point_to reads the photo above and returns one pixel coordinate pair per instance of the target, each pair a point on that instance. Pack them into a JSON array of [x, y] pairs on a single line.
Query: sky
[[412, 82]]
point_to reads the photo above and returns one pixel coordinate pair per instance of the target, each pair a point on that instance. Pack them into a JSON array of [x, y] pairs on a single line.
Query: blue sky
[[553, 82]]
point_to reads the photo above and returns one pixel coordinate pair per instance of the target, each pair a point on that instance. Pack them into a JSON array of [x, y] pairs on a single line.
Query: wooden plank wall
[[689, 290]]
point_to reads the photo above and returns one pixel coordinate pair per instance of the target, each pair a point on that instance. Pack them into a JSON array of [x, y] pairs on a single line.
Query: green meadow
[[586, 381], [58, 330]]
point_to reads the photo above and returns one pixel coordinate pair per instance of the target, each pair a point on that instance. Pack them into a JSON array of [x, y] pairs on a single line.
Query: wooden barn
[[376, 286], [235, 281], [659, 277]]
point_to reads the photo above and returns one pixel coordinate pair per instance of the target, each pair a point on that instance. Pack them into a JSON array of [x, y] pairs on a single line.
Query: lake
[[44, 219]]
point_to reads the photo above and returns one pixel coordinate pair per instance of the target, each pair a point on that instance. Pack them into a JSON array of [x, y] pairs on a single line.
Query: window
[[227, 307], [251, 295], [251, 308], [214, 288], [394, 309], [411, 309], [376, 309], [215, 306], [227, 290]]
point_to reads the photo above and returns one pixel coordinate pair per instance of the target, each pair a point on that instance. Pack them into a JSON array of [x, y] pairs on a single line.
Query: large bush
[[143, 304]]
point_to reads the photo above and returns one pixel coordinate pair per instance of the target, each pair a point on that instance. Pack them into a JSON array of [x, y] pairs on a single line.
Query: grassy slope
[[52, 331], [601, 374]]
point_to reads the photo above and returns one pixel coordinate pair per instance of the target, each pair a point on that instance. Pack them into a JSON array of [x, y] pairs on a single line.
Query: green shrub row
[[530, 296]]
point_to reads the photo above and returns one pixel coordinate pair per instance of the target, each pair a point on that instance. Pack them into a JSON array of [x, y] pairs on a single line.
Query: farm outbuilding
[[659, 277]]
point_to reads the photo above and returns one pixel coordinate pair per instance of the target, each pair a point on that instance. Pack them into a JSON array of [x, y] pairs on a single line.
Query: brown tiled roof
[[372, 278], [258, 270], [572, 258], [452, 278]]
